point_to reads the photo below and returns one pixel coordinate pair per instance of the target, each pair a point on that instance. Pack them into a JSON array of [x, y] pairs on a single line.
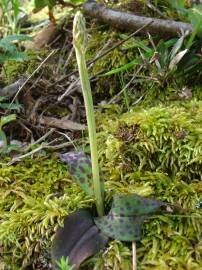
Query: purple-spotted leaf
[[80, 168], [134, 205], [126, 217]]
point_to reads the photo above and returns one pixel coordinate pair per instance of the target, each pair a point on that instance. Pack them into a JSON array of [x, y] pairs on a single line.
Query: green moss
[[154, 152], [15, 69], [163, 138], [170, 242], [197, 92], [116, 256], [99, 42], [34, 198]]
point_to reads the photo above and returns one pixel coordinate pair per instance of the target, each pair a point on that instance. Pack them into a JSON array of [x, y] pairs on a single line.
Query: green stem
[[85, 84]]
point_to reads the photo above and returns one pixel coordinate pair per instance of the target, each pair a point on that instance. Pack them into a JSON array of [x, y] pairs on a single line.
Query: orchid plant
[[84, 235]]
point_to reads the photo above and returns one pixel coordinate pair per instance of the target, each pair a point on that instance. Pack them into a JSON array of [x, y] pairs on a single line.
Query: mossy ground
[[35, 196], [154, 152], [13, 70], [153, 149]]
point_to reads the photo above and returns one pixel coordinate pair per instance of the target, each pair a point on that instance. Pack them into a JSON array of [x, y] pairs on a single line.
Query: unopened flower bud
[[79, 32]]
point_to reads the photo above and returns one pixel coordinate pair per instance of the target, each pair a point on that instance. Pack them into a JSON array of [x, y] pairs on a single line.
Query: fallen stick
[[128, 21], [62, 123], [36, 150]]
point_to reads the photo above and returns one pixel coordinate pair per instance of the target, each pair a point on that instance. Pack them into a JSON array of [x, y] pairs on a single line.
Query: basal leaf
[[134, 205], [121, 228], [80, 168], [78, 239], [126, 217]]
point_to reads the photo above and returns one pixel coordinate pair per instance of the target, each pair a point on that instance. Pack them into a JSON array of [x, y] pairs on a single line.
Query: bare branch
[[128, 21]]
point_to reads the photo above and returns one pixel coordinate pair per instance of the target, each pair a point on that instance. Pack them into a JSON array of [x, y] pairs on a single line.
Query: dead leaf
[[45, 36], [62, 123]]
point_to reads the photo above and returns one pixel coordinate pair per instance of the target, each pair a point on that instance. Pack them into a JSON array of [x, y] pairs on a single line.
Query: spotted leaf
[[80, 168], [126, 217]]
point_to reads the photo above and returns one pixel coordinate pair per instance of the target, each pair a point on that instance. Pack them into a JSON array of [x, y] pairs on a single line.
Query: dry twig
[[41, 147], [127, 21]]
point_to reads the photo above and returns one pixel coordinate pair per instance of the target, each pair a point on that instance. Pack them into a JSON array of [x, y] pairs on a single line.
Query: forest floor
[[149, 131]]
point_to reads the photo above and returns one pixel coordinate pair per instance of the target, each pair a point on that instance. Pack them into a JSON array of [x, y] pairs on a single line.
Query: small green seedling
[[63, 264]]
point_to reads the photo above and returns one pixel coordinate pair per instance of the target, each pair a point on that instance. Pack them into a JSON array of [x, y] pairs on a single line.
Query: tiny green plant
[[9, 50], [63, 264], [169, 60], [170, 53]]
